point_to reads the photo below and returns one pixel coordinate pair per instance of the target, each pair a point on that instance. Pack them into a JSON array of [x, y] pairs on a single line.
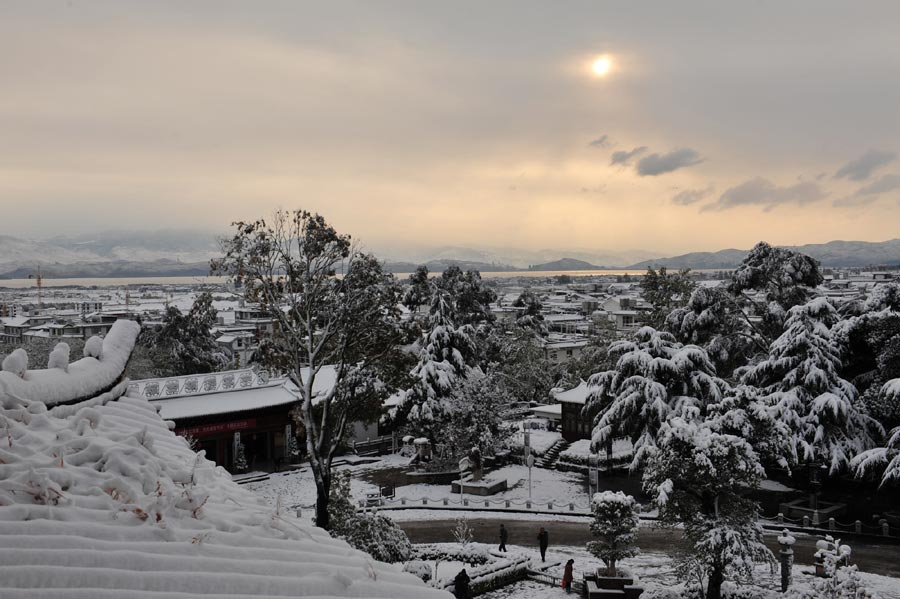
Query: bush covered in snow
[[373, 533], [616, 520]]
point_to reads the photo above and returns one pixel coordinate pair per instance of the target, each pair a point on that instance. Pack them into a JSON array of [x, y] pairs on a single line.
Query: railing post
[[571, 507], [424, 501], [403, 501], [550, 506], [528, 505], [805, 521], [465, 502], [885, 528], [857, 526], [780, 518], [831, 524], [507, 503], [445, 501], [815, 519]]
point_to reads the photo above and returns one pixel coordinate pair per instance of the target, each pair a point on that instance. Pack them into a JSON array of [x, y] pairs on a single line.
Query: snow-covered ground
[[540, 441], [655, 572]]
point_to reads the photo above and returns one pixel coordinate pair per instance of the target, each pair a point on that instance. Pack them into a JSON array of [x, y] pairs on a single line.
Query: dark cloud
[[762, 192], [691, 196], [657, 164], [863, 167], [623, 157], [601, 142], [868, 194]]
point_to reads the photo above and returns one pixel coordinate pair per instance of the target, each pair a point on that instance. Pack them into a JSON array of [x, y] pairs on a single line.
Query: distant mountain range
[[187, 253], [833, 253]]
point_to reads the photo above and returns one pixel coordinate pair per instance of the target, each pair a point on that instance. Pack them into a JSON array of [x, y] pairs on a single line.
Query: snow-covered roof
[[553, 410], [211, 404], [101, 500], [226, 392], [577, 395]]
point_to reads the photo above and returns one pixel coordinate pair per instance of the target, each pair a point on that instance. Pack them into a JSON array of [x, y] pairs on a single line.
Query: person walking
[[461, 585], [543, 541], [504, 535], [568, 575]]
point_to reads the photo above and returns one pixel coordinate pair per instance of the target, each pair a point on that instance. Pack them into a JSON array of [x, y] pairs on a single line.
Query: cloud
[[691, 196], [863, 167], [869, 193], [601, 142], [762, 192], [623, 157], [657, 164]]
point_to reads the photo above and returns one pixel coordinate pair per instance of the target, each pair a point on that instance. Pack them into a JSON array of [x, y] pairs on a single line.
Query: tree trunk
[[322, 498], [611, 568], [714, 587]]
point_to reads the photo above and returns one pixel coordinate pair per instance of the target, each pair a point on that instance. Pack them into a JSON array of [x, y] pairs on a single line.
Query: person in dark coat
[[543, 541], [504, 535], [568, 575], [461, 585]]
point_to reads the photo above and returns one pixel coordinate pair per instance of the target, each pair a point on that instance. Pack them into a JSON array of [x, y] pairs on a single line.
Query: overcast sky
[[468, 123]]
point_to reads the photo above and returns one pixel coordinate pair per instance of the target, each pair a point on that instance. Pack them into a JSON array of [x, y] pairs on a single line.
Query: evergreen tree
[[447, 356], [800, 379], [655, 378], [184, 342], [665, 291], [887, 457]]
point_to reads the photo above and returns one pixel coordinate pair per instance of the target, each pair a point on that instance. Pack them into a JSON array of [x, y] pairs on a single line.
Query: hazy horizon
[[670, 128]]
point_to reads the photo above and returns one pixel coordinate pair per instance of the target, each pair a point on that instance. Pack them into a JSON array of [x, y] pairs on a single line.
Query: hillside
[[834, 253], [564, 264]]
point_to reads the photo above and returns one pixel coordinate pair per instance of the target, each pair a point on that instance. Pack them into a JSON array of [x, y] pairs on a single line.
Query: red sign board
[[205, 430]]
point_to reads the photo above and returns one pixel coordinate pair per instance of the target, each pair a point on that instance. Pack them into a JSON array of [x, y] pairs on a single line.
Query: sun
[[601, 66]]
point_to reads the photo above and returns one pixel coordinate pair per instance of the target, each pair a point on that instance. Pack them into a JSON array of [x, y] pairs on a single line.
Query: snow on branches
[[655, 378], [803, 388], [615, 523]]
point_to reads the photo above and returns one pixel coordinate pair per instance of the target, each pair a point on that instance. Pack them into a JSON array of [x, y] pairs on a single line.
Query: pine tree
[[447, 357], [803, 388], [887, 457], [655, 378]]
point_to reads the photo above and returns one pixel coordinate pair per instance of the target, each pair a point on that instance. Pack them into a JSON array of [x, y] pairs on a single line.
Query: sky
[[714, 124]]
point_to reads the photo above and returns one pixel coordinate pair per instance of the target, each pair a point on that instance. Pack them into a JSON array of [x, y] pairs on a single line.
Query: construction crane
[[40, 286]]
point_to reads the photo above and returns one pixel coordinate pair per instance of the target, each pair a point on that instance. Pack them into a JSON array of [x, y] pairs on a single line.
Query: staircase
[[549, 458]]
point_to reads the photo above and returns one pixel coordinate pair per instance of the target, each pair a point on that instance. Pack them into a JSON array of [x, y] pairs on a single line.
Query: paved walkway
[[869, 556]]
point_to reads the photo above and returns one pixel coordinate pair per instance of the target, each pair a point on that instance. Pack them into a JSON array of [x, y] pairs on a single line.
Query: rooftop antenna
[[40, 287]]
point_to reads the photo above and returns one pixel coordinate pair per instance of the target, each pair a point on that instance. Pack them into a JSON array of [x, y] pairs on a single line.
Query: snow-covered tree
[[665, 291], [616, 520], [870, 340], [184, 343], [887, 457], [655, 378], [773, 280], [530, 317], [715, 320], [475, 417], [373, 533], [447, 357], [803, 388], [462, 532], [288, 268], [699, 478]]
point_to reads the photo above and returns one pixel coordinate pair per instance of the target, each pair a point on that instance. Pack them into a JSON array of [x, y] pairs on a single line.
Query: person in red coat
[[568, 576]]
